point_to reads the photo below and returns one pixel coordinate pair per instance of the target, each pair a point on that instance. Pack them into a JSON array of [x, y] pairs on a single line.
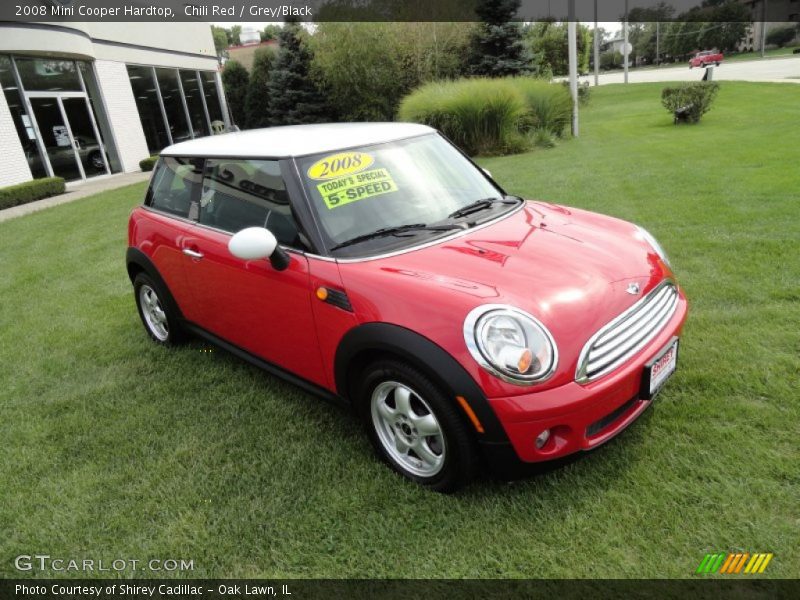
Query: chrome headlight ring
[[510, 344]]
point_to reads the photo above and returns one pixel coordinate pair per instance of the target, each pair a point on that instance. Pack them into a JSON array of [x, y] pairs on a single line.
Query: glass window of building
[[144, 91], [211, 93], [100, 116], [48, 75], [173, 104], [194, 102], [21, 118]]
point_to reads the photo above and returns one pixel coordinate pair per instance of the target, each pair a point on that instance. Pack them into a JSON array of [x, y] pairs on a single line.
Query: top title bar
[[390, 10]]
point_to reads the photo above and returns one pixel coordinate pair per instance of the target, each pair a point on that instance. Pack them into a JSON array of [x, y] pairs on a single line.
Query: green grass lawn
[[116, 448]]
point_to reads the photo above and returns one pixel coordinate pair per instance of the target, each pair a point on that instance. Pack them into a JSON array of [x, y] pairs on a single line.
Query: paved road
[[770, 69]]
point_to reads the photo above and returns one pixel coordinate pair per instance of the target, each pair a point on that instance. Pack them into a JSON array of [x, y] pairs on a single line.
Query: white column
[[120, 106], [15, 165]]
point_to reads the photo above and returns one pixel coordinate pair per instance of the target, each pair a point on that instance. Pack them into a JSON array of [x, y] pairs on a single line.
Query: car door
[[247, 302]]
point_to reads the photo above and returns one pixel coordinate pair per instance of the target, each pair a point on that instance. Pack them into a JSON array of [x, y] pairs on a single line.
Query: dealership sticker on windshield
[[339, 165], [359, 186]]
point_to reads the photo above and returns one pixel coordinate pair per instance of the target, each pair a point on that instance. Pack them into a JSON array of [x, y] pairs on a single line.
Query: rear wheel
[[158, 319], [415, 428]]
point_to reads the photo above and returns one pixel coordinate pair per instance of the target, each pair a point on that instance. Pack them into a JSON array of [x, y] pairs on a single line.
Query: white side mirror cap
[[253, 243]]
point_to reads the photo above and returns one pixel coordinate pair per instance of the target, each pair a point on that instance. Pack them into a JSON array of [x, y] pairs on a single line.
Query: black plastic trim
[[373, 338], [267, 366]]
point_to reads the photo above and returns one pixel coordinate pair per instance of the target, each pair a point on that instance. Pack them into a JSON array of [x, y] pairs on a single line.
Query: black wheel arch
[[137, 262], [371, 341]]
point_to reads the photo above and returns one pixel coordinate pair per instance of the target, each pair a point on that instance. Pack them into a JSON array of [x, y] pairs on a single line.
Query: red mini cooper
[[377, 265]]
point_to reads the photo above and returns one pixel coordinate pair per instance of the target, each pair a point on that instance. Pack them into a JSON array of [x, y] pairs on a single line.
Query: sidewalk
[[75, 191]]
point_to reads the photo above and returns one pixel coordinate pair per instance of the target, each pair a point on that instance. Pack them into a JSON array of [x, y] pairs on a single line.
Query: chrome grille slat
[[641, 316], [599, 351], [628, 333]]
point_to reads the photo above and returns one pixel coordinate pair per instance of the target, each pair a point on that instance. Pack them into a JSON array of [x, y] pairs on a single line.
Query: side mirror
[[255, 243], [487, 172]]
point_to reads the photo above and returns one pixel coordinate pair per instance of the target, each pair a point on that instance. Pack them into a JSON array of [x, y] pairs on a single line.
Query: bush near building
[[235, 79], [30, 191], [781, 36], [492, 116], [147, 164]]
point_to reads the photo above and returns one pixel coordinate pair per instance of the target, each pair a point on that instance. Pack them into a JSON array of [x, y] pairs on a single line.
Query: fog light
[[542, 438]]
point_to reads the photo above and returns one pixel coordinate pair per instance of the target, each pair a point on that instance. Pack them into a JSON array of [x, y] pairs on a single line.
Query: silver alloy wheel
[[408, 429], [154, 315]]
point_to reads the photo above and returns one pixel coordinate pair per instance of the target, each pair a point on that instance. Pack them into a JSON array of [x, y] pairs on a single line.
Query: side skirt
[[272, 369]]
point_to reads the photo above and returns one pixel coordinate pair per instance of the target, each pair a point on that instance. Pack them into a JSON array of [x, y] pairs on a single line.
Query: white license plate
[[660, 368]]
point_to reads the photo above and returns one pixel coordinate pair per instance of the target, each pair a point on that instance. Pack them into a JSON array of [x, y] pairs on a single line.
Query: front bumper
[[579, 417]]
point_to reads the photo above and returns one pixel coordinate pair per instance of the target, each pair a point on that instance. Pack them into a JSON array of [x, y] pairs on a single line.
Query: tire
[[154, 305], [395, 402], [95, 159], [717, 64]]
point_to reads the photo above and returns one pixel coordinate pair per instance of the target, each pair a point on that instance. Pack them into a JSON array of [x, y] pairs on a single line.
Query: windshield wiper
[[480, 205], [384, 231]]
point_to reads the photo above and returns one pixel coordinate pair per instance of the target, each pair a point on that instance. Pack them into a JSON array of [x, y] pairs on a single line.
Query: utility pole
[[763, 28], [572, 35], [625, 47], [658, 39], [596, 48]]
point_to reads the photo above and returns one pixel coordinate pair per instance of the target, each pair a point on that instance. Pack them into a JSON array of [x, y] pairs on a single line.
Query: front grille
[[628, 333]]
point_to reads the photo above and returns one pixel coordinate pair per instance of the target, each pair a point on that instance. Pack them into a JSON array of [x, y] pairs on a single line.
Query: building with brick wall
[[86, 99]]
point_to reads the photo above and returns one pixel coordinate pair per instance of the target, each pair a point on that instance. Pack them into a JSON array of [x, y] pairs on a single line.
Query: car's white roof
[[295, 140]]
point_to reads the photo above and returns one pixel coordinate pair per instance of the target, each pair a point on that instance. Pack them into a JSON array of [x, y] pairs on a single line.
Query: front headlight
[[648, 237], [510, 344]]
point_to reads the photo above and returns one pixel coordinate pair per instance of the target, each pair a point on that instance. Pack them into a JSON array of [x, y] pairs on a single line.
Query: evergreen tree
[[294, 98], [235, 80], [497, 47], [257, 104]]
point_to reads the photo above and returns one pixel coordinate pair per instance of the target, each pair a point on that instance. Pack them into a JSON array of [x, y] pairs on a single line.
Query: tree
[[257, 101], [781, 36], [367, 86], [220, 39], [497, 47], [548, 43], [270, 32], [235, 80], [234, 34], [294, 97]]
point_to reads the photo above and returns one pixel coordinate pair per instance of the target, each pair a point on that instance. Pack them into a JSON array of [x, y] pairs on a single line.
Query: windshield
[[417, 183]]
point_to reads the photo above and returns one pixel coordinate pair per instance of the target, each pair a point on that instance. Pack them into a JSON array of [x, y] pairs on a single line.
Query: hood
[[567, 267]]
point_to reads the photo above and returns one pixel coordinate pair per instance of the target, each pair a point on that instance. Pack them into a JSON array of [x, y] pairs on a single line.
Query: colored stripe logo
[[734, 563]]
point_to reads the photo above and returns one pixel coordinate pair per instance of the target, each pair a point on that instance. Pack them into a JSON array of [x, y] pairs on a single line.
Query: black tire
[[459, 457], [168, 332], [717, 64]]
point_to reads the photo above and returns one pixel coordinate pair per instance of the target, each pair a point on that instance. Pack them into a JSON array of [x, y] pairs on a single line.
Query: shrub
[[690, 101], [479, 115], [22, 193], [549, 105], [490, 116], [147, 164]]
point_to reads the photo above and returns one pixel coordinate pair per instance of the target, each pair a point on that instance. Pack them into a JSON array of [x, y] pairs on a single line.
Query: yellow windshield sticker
[[351, 188], [339, 165]]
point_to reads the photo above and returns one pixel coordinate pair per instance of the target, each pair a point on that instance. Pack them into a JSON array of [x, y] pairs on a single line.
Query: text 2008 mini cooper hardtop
[[377, 264]]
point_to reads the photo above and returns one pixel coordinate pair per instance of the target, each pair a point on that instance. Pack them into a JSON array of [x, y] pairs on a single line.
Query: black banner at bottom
[[400, 589]]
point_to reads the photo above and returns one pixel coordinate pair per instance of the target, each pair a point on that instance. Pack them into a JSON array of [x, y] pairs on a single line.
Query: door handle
[[192, 253]]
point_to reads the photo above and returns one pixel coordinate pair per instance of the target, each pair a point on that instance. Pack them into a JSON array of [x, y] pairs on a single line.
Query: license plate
[[659, 369]]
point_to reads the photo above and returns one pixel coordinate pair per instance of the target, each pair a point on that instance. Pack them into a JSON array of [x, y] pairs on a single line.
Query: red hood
[[569, 268]]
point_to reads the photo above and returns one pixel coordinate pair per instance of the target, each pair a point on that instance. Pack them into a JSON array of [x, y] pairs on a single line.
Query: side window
[[175, 186], [240, 193]]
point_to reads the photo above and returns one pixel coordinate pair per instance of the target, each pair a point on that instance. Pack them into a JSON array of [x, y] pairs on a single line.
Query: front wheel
[[415, 428]]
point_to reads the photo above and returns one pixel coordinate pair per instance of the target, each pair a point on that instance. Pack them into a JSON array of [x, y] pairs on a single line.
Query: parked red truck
[[705, 58]]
